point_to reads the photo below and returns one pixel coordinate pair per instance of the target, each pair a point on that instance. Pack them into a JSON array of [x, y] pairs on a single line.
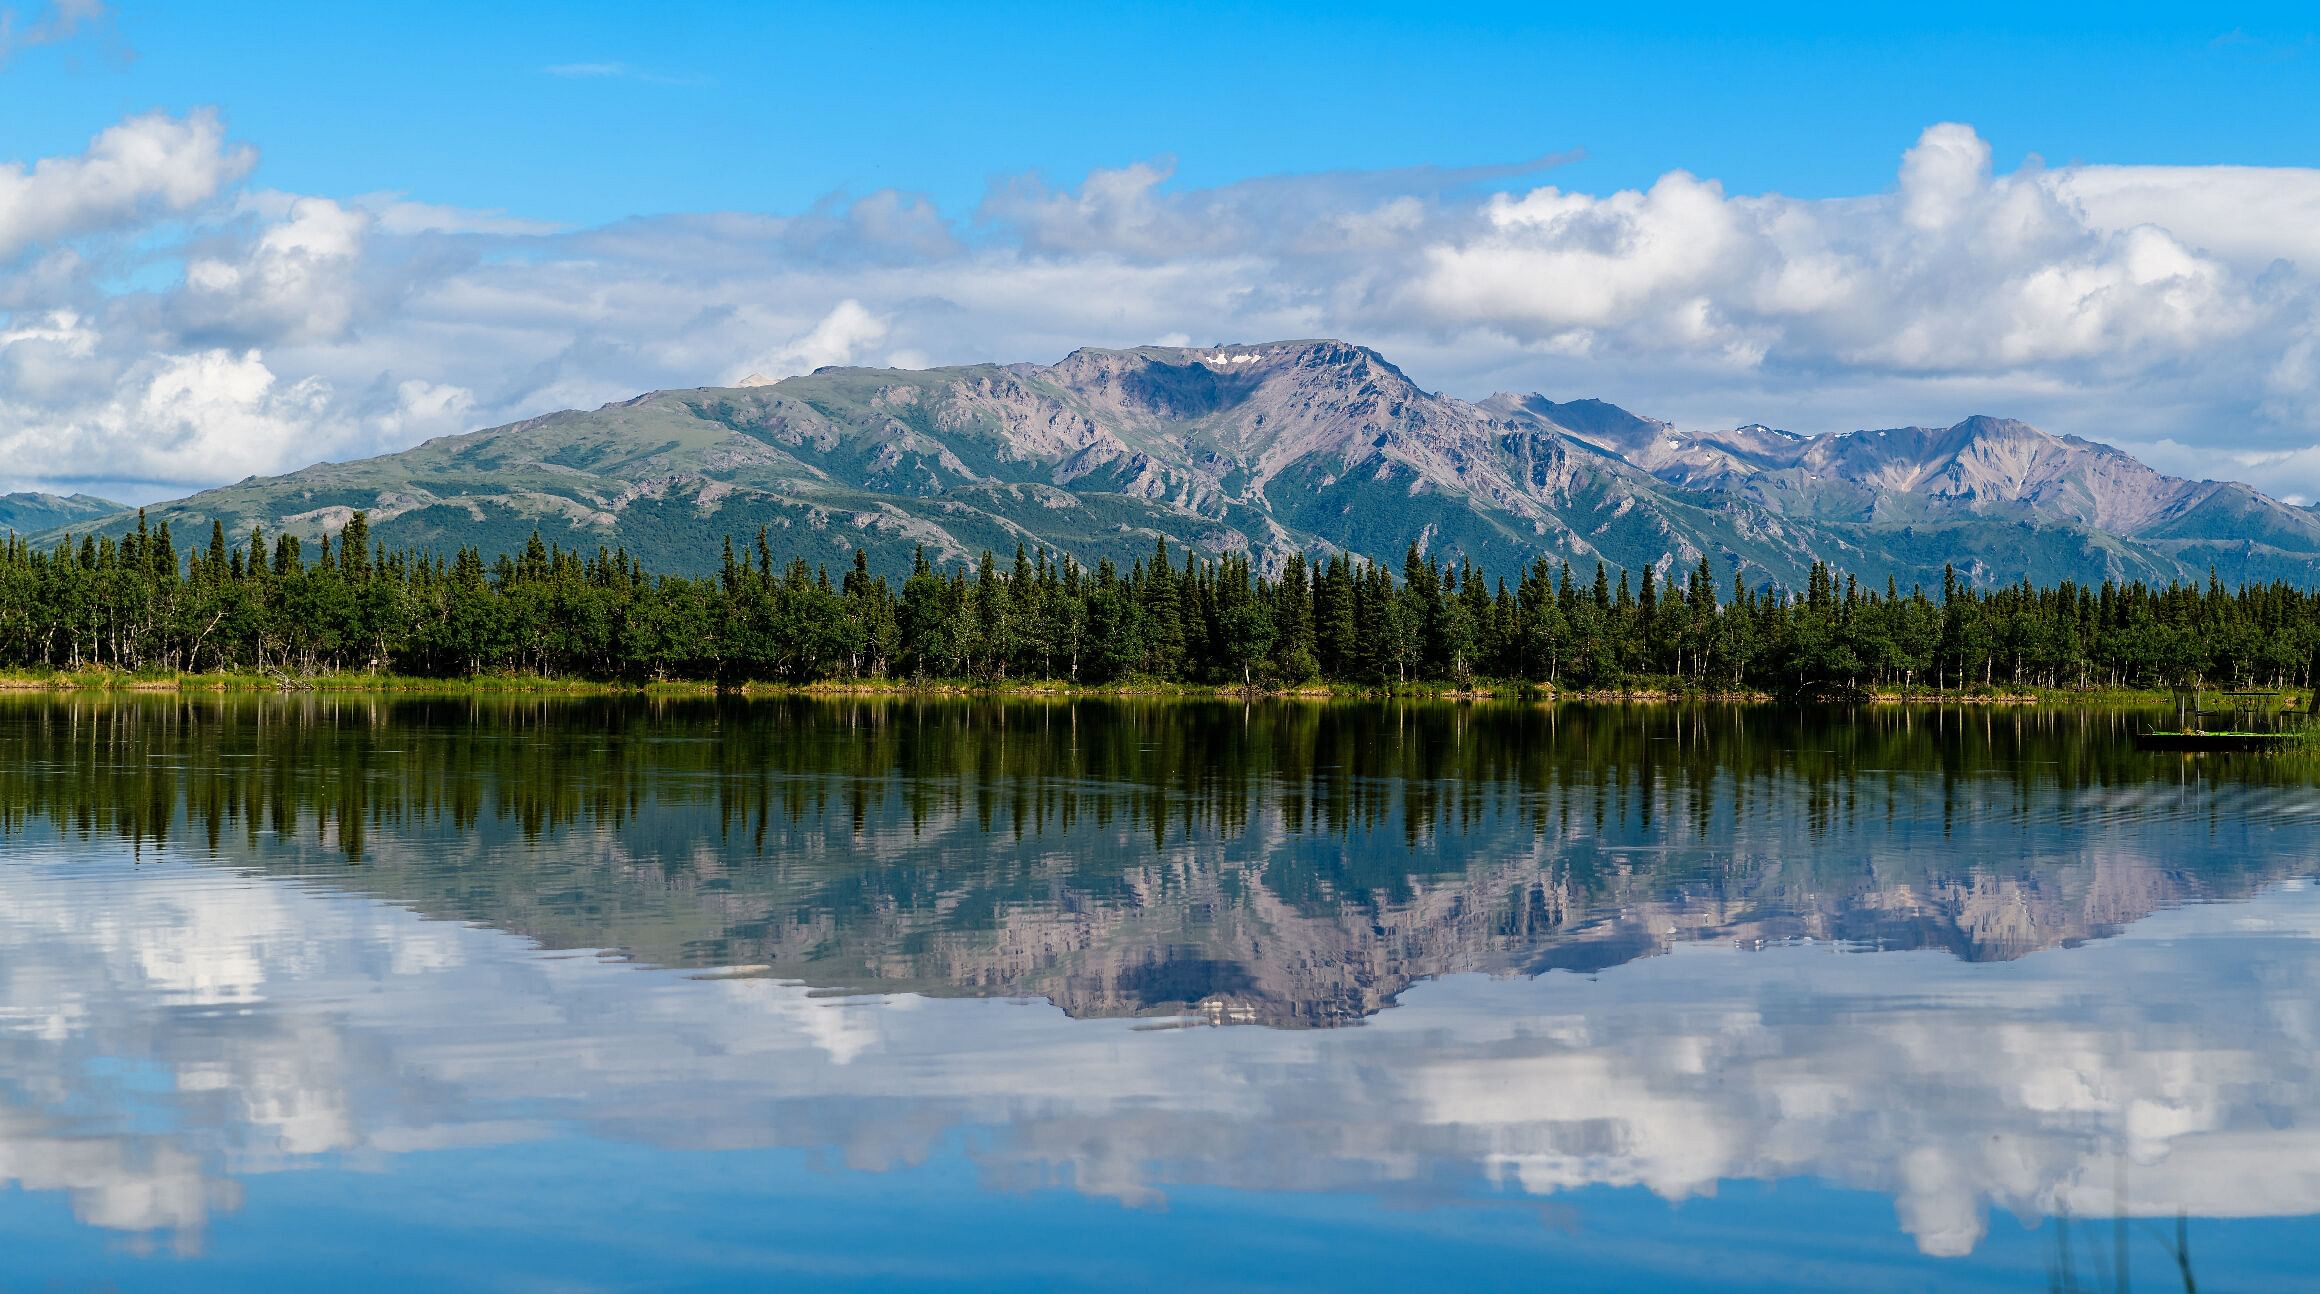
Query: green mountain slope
[[30, 514]]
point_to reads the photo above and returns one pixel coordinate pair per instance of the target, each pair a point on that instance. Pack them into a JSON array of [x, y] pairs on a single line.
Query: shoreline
[[516, 685]]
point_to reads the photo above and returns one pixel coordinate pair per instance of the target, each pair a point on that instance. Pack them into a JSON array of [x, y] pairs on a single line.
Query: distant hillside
[[30, 514], [1982, 468], [1269, 448]]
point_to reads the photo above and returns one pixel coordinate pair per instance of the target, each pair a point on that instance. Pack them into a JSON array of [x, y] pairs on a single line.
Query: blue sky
[[237, 238], [768, 107]]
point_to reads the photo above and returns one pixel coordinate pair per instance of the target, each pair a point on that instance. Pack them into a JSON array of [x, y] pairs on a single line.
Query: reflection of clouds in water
[[290, 1022], [1953, 1088], [126, 1183], [839, 1033]]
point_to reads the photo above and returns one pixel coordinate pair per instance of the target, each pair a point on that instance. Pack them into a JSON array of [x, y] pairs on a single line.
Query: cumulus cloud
[[2249, 216], [843, 336], [43, 356], [154, 165], [294, 283], [212, 415], [2144, 306], [1954, 271]]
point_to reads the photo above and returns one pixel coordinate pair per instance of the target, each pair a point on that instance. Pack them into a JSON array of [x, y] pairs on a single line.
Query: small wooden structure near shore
[[2238, 721]]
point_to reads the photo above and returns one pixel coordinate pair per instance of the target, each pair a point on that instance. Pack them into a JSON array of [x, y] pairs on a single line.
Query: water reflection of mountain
[[1290, 865]]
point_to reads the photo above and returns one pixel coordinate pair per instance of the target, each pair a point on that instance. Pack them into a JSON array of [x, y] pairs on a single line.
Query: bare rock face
[[1981, 467], [1272, 448]]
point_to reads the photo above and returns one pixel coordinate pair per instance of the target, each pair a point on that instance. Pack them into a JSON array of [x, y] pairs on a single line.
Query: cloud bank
[[164, 326]]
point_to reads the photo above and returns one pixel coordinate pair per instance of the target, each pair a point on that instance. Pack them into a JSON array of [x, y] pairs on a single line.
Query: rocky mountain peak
[[1231, 367], [1982, 426], [1252, 407], [1598, 422]]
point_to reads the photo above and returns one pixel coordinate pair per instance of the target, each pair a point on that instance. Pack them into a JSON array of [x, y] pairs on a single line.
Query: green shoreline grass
[[1645, 691]]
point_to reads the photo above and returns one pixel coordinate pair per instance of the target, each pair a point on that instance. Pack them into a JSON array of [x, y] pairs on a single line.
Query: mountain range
[[30, 513], [1262, 449]]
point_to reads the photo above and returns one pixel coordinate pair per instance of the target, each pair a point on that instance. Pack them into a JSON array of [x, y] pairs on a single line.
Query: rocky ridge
[[1267, 449]]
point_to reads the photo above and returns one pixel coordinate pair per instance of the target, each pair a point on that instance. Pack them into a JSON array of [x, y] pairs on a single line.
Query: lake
[[632, 994]]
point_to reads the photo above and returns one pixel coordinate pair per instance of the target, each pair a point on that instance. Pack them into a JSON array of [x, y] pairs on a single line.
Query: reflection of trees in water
[[1288, 862], [2103, 1260]]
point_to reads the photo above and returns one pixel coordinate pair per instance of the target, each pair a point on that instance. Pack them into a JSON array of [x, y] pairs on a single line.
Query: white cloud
[[295, 283], [60, 22], [1551, 260], [843, 336], [1120, 212], [1943, 176], [215, 411], [1956, 271], [146, 166], [423, 410], [42, 354], [212, 414], [2135, 305], [2247, 215], [397, 215]]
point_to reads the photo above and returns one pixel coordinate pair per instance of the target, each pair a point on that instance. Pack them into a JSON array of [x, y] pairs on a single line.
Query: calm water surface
[[629, 995]]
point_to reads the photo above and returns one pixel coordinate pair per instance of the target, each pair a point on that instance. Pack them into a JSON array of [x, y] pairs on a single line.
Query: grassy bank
[[2125, 696], [354, 683]]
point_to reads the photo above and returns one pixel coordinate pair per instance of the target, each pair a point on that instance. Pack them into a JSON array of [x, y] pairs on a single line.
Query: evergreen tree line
[[139, 603]]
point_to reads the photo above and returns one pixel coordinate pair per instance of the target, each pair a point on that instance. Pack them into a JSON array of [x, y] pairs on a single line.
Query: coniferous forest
[[268, 605]]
